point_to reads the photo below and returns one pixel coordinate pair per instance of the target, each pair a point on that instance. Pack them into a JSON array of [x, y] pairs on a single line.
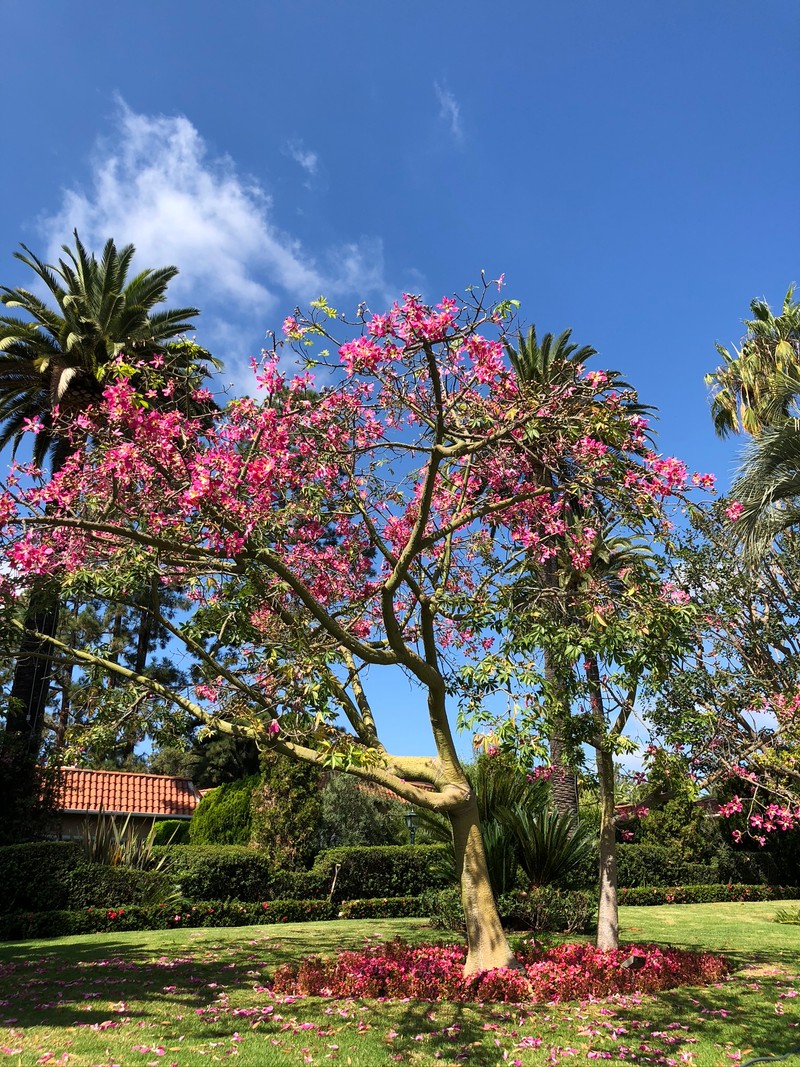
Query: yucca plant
[[551, 846], [114, 844]]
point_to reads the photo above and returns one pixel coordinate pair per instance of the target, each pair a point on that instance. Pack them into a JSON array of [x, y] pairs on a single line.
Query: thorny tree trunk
[[486, 942], [608, 913]]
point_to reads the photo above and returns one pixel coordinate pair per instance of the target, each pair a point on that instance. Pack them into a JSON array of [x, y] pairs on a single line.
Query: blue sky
[[630, 166]]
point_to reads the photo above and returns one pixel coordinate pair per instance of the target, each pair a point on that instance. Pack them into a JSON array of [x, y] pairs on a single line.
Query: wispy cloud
[[155, 184], [304, 157], [449, 110]]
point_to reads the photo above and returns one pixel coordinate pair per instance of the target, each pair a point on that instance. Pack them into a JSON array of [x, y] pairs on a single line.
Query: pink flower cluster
[[435, 972]]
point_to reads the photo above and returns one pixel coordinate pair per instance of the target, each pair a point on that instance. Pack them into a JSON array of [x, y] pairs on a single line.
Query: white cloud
[[449, 110], [155, 184], [304, 157]]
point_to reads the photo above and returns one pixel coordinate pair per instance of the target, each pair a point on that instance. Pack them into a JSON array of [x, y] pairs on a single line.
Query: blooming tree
[[367, 513]]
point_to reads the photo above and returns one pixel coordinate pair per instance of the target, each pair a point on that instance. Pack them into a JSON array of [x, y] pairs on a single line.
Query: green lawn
[[196, 997]]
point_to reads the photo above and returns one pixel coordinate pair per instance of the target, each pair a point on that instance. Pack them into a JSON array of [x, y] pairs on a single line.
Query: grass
[[189, 997]]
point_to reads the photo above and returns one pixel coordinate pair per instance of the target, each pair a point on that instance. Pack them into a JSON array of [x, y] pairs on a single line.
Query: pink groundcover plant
[[436, 972]]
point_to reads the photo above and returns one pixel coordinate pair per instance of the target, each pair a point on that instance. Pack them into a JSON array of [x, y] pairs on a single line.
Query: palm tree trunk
[[564, 781], [30, 687]]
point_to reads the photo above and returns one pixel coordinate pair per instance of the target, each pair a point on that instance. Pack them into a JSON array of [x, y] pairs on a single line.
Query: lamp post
[[411, 819]]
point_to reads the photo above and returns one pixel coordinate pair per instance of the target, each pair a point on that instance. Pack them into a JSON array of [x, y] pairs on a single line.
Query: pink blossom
[[734, 511]]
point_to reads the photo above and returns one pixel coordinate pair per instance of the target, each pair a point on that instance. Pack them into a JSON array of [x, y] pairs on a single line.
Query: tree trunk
[[487, 946], [608, 915], [31, 685], [564, 782]]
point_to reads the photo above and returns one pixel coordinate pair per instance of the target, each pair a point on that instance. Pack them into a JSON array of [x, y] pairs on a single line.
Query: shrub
[[99, 886], [444, 909], [546, 908], [33, 875], [789, 916], [161, 917], [551, 845], [222, 872], [223, 816], [705, 894], [171, 832], [300, 885], [352, 815], [540, 909], [383, 908], [388, 871], [435, 972], [654, 865], [286, 811]]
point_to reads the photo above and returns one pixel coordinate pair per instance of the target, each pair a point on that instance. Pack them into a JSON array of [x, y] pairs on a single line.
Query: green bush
[[352, 815], [161, 917], [171, 832], [387, 871], [654, 865], [223, 816], [705, 894], [301, 885], [33, 875], [547, 908], [383, 908], [444, 909], [219, 872], [99, 886], [544, 908], [286, 811]]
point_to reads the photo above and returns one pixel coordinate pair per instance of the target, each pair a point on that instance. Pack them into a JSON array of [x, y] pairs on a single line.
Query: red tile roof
[[121, 792]]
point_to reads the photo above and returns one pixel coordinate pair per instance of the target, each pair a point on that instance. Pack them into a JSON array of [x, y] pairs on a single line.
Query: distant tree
[[354, 814], [54, 363]]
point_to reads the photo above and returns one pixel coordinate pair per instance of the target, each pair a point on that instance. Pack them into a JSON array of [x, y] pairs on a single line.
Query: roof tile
[[120, 792]]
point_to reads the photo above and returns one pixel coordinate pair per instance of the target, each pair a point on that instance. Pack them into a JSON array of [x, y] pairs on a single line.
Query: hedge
[[211, 913], [380, 871], [705, 894], [540, 909], [33, 875], [218, 872], [384, 908]]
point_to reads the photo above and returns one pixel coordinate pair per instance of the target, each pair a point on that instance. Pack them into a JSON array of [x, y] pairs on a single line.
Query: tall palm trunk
[[33, 672]]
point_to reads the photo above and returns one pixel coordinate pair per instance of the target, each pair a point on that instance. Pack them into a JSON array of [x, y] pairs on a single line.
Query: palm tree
[[557, 362], [554, 361], [54, 361], [743, 388]]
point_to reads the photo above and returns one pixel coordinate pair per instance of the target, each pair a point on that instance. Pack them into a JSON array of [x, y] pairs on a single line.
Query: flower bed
[[435, 972]]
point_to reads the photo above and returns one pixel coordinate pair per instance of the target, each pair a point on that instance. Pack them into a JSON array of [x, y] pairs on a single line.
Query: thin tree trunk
[[487, 947], [608, 912]]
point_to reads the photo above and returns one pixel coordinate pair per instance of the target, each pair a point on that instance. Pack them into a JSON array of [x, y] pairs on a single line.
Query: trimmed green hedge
[[218, 872], [34, 875], [654, 865], [380, 871], [211, 913], [384, 908], [706, 894]]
